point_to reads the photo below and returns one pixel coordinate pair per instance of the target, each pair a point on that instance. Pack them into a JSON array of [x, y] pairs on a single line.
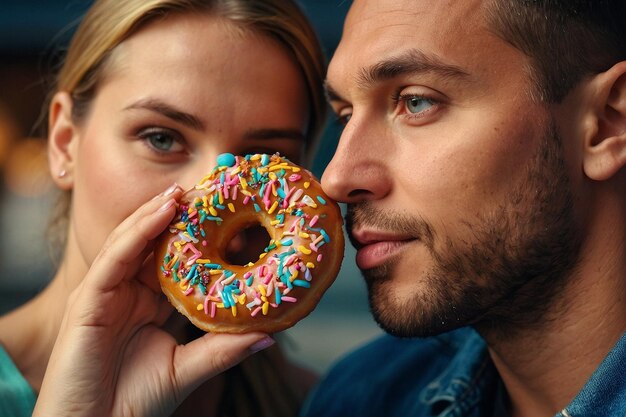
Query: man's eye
[[417, 104]]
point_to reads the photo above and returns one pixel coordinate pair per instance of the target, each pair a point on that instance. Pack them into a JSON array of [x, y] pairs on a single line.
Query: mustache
[[364, 215]]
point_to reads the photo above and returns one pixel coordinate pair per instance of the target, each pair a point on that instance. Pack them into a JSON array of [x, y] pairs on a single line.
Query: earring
[[62, 173]]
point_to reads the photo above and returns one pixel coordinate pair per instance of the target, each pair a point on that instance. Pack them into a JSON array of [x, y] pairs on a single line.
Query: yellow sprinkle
[[221, 197], [262, 290], [266, 307], [236, 171], [211, 200], [271, 210], [203, 261], [250, 264], [205, 201], [241, 299], [310, 265], [274, 222], [213, 211], [304, 235], [199, 307], [219, 305], [231, 207], [307, 184], [272, 175], [304, 250], [184, 285], [181, 226], [178, 245], [255, 157], [171, 263], [243, 182], [233, 309], [216, 272], [295, 275], [261, 256], [295, 169], [246, 193]]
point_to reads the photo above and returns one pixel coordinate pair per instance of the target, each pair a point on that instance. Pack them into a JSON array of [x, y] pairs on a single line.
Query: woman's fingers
[[120, 256], [212, 354]]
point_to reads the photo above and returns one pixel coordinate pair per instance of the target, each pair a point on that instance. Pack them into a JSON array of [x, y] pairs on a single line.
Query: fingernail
[[170, 190], [167, 205], [262, 344]]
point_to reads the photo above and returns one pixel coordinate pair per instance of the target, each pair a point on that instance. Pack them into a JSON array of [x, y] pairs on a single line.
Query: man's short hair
[[566, 40]]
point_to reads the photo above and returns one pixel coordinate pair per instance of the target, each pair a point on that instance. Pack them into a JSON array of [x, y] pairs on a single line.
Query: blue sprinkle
[[301, 283], [281, 193], [214, 219], [265, 159], [220, 206], [326, 237], [190, 230], [213, 266], [278, 297], [226, 159], [192, 271], [249, 280], [202, 233], [321, 200], [257, 208], [286, 242]]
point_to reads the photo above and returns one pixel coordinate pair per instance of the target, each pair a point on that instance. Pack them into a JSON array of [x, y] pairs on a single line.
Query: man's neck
[[543, 368]]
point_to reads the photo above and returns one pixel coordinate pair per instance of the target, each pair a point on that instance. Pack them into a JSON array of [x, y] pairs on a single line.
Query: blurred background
[[33, 35]]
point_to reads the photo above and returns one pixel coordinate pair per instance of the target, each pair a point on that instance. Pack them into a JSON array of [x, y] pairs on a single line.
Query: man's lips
[[374, 248]]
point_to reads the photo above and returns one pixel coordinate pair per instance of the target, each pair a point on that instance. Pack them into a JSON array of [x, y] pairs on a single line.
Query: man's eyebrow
[[265, 134], [168, 111], [410, 62]]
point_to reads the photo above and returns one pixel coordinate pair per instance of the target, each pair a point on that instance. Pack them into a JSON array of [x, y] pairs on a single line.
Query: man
[[482, 161]]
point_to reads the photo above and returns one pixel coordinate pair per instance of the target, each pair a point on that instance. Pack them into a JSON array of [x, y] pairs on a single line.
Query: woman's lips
[[375, 251]]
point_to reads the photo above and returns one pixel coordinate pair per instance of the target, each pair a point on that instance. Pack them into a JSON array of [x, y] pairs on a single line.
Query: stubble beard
[[505, 279]]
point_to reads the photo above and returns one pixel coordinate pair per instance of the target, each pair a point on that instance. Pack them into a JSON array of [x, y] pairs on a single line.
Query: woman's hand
[[111, 357]]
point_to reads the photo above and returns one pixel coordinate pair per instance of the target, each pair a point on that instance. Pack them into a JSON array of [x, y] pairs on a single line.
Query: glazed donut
[[301, 261]]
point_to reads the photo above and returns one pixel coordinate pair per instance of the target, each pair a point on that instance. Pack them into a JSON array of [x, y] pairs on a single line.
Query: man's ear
[[605, 144], [62, 141]]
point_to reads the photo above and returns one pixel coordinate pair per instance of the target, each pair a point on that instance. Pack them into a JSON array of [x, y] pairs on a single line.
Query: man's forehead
[[376, 30]]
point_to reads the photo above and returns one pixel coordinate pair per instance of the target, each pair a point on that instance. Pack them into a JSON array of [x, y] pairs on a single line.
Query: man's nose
[[358, 171]]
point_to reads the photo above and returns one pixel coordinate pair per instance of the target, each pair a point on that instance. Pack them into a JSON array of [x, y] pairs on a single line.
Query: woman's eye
[[162, 140], [417, 104]]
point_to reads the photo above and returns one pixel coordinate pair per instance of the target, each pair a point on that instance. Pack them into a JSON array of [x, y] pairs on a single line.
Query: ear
[[605, 144], [62, 141]]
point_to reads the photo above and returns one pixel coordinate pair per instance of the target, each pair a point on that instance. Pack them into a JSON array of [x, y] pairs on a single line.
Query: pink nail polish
[[171, 189], [167, 205], [262, 344]]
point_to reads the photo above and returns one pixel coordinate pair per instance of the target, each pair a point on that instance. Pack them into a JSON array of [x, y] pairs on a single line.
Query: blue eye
[[417, 104], [162, 140]]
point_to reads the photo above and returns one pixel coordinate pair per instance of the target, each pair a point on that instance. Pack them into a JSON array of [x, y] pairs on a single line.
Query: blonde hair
[[107, 24]]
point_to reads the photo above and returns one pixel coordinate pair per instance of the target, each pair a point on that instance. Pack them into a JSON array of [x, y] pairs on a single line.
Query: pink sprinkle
[[206, 305], [294, 177], [213, 307], [247, 275], [262, 270], [188, 291], [234, 195], [225, 192], [246, 199], [213, 288], [296, 196], [313, 247], [319, 258], [193, 213], [256, 311], [204, 243], [289, 299], [314, 220]]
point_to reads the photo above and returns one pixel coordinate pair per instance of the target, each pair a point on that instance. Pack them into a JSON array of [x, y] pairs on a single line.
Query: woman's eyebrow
[[169, 111]]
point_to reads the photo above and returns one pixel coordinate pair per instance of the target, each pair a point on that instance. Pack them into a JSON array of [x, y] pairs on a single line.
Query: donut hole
[[246, 245]]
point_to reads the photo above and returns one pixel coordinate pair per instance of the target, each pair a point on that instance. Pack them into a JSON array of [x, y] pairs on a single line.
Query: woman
[[150, 93]]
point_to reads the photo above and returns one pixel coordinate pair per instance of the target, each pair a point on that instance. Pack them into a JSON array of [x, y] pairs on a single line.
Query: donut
[[300, 262]]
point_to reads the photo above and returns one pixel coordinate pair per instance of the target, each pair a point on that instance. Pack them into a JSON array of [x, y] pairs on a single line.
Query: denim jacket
[[450, 375]]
